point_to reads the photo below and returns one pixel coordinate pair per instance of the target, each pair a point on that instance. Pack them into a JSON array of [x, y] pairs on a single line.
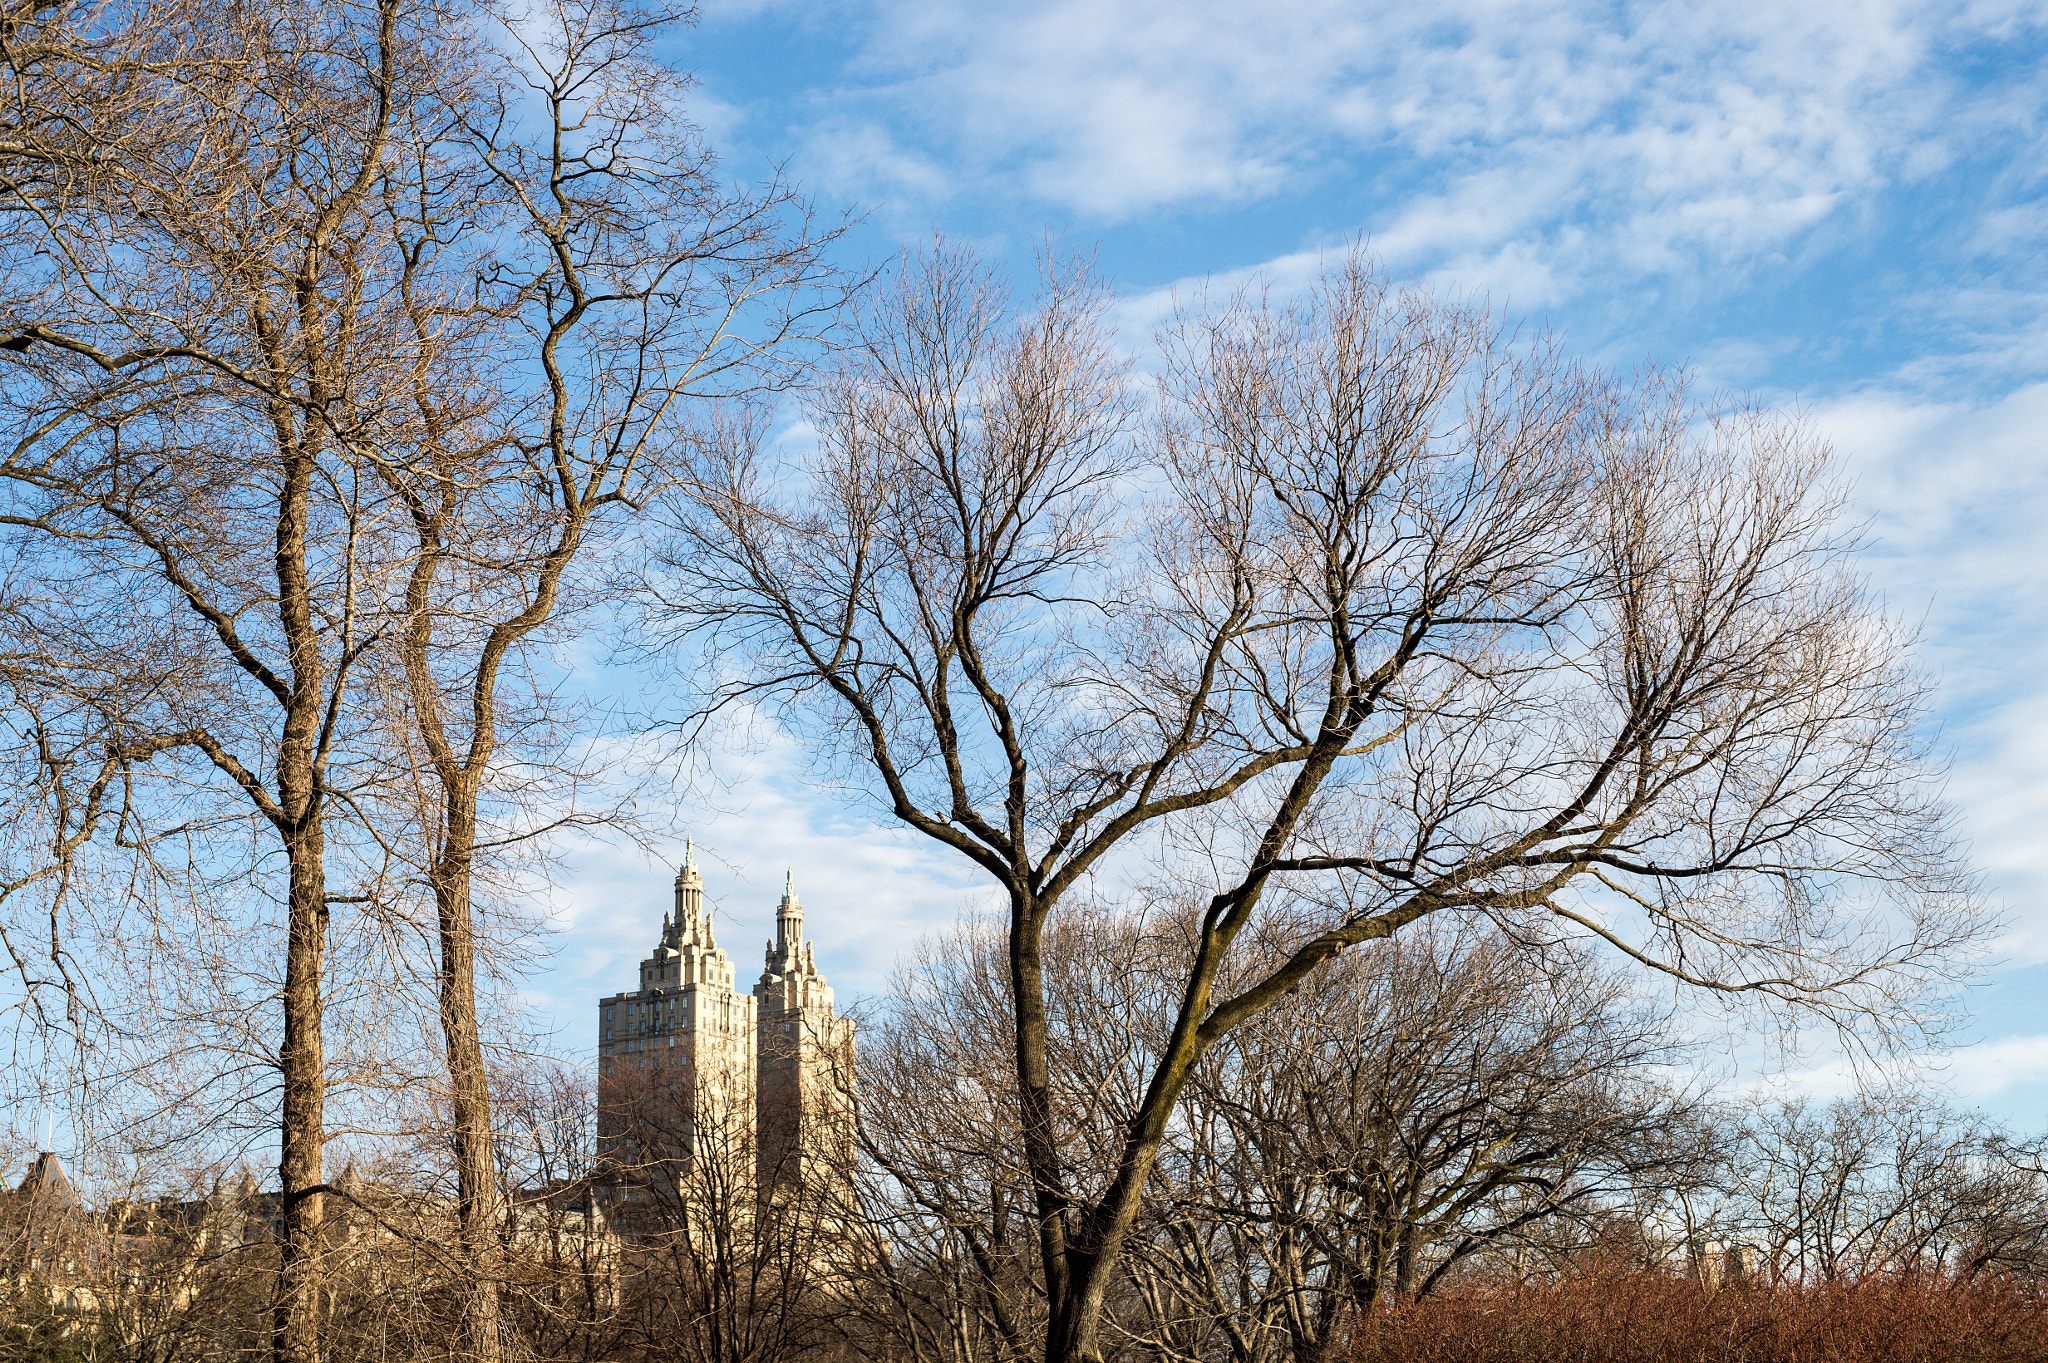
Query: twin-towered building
[[690, 1068]]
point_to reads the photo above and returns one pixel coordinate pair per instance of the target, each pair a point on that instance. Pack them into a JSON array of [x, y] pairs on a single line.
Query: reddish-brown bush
[[1644, 1316]]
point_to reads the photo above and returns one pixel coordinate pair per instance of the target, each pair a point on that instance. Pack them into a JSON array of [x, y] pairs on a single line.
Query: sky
[[1839, 208]]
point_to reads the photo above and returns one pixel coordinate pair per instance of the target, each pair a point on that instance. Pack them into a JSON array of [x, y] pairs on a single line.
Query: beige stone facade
[[804, 1064], [692, 1070]]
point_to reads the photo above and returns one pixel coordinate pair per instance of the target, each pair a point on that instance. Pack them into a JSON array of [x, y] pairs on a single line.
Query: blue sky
[[1839, 207]]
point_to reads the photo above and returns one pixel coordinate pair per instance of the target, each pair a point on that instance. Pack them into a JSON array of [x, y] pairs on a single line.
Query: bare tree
[[86, 91], [1893, 1182], [184, 410], [588, 254], [1408, 1108], [948, 1190], [465, 350], [1437, 1098], [89, 86], [566, 1274], [1385, 616]]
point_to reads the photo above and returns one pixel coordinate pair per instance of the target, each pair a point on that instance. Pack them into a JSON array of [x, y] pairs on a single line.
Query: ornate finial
[[689, 855], [789, 884]]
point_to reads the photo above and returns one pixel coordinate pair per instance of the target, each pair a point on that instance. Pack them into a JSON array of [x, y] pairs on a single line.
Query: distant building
[[691, 1070], [49, 1239]]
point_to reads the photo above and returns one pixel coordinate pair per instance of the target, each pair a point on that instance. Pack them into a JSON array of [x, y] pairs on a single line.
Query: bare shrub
[[1630, 1315]]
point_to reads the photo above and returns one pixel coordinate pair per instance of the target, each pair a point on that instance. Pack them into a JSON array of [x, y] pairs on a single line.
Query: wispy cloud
[[871, 890], [1957, 493], [1977, 1075], [1627, 134]]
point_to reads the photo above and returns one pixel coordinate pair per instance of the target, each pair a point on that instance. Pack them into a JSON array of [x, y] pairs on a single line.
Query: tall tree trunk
[[301, 773], [302, 1062], [469, 1091], [1404, 1264], [1041, 1146]]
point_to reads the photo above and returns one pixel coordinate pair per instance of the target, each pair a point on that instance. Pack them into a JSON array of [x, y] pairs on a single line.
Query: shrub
[[1648, 1316]]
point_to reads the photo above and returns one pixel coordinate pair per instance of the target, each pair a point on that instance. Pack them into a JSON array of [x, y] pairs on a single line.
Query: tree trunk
[[1074, 1332], [299, 818], [1404, 1264], [469, 1090], [302, 1063], [1041, 1148]]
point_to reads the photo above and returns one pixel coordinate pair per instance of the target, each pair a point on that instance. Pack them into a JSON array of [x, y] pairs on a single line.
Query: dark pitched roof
[[47, 1185]]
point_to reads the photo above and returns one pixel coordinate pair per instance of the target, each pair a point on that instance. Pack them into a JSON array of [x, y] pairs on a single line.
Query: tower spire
[[789, 926], [691, 920]]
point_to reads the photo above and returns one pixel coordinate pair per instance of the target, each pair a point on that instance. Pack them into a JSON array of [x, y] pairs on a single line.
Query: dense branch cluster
[[1374, 616]]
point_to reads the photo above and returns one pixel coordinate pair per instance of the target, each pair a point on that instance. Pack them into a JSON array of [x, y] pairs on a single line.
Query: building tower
[[676, 1056], [803, 1090]]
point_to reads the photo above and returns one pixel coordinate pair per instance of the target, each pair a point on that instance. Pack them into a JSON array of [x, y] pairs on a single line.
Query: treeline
[[1440, 1149], [1435, 1151]]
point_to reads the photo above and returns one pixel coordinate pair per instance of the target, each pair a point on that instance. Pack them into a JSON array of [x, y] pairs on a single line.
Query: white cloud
[[1980, 1074], [1958, 495], [868, 891], [1989, 1069], [1705, 127], [863, 153]]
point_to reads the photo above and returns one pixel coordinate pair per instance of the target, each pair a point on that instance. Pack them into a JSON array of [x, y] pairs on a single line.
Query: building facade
[[803, 1069], [751, 1087]]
